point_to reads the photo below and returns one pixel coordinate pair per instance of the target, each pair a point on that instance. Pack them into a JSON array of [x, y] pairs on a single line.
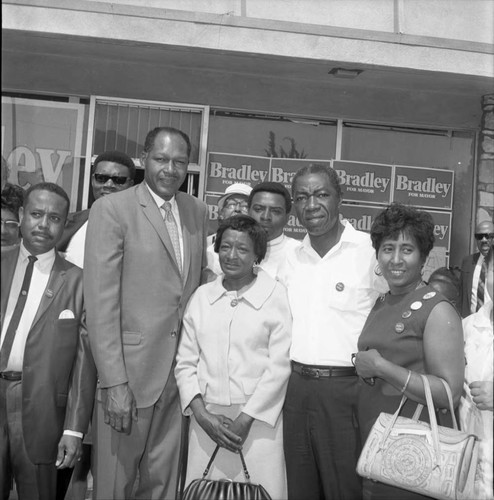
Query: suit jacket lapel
[[9, 263], [153, 214], [55, 283], [185, 223]]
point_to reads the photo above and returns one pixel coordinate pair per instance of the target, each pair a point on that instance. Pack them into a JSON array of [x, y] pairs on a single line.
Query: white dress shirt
[[475, 285], [173, 202], [330, 297], [479, 338], [39, 280], [276, 254], [75, 248]]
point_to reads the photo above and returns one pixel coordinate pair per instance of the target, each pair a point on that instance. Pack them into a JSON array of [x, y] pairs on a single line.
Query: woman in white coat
[[233, 363]]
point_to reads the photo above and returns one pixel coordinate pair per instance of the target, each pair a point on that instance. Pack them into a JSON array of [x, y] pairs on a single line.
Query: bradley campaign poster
[[367, 188]]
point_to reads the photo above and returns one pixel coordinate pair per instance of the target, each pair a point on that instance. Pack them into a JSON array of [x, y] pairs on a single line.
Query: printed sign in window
[[365, 182], [424, 187], [41, 141]]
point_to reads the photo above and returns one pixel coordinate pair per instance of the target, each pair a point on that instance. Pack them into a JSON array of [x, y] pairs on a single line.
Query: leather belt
[[11, 376], [323, 371]]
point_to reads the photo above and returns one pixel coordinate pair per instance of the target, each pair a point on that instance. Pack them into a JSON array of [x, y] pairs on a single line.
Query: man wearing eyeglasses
[[473, 271], [12, 200], [233, 202], [113, 171]]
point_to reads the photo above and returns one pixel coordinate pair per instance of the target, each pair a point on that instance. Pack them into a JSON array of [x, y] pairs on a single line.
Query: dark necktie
[[16, 317], [481, 285]]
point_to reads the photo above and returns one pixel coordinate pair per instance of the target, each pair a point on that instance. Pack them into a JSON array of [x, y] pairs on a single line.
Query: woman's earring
[[377, 270]]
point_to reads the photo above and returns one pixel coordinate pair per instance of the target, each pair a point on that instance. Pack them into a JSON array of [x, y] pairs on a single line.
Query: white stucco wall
[[123, 21], [468, 20]]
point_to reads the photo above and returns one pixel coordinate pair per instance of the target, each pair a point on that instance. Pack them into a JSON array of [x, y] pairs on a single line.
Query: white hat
[[236, 188]]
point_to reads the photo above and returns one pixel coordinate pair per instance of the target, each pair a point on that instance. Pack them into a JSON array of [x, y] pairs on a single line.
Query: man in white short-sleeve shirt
[[332, 287]]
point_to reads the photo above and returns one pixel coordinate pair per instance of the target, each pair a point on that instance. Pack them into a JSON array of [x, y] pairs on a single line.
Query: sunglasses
[[487, 236], [116, 179]]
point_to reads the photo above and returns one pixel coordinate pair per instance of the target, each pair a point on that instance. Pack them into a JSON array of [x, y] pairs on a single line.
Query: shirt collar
[[256, 295], [349, 235], [276, 241], [159, 200], [44, 260]]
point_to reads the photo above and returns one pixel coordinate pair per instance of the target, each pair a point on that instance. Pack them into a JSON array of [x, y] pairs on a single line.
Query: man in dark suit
[[471, 270], [145, 253], [113, 171], [47, 375]]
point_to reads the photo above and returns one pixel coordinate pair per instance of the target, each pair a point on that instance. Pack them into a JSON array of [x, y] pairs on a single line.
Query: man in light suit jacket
[[471, 266], [47, 375], [136, 285]]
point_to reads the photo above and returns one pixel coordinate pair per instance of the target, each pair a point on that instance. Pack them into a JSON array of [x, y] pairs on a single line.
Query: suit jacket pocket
[[131, 338], [61, 400], [68, 322]]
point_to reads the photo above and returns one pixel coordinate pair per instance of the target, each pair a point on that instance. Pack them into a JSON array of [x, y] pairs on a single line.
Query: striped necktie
[[481, 285], [171, 226], [16, 316]]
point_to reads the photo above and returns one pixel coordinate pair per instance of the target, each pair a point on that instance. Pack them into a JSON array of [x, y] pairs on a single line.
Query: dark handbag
[[435, 461], [224, 489]]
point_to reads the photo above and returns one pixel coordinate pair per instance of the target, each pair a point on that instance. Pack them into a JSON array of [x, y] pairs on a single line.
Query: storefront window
[[435, 149], [123, 126], [42, 141], [271, 136]]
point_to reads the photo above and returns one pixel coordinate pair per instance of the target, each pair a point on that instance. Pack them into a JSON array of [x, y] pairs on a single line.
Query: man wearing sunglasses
[[473, 271], [113, 171]]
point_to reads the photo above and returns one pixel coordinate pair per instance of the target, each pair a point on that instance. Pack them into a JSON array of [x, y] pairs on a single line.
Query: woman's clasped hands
[[218, 429], [227, 433]]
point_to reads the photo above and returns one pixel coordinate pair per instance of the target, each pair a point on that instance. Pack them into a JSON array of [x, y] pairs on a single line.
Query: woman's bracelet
[[406, 383]]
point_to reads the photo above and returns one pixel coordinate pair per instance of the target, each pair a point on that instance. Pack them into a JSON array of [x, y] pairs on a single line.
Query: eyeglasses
[[10, 224], [243, 205], [116, 179], [481, 236]]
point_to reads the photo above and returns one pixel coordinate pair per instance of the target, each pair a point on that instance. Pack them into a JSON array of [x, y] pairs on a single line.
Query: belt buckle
[[310, 372]]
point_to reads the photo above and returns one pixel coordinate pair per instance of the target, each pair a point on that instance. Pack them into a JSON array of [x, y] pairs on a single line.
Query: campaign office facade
[[395, 96]]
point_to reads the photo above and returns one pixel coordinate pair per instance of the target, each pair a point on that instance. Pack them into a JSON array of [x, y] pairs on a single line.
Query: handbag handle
[[418, 410], [213, 456], [432, 415]]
